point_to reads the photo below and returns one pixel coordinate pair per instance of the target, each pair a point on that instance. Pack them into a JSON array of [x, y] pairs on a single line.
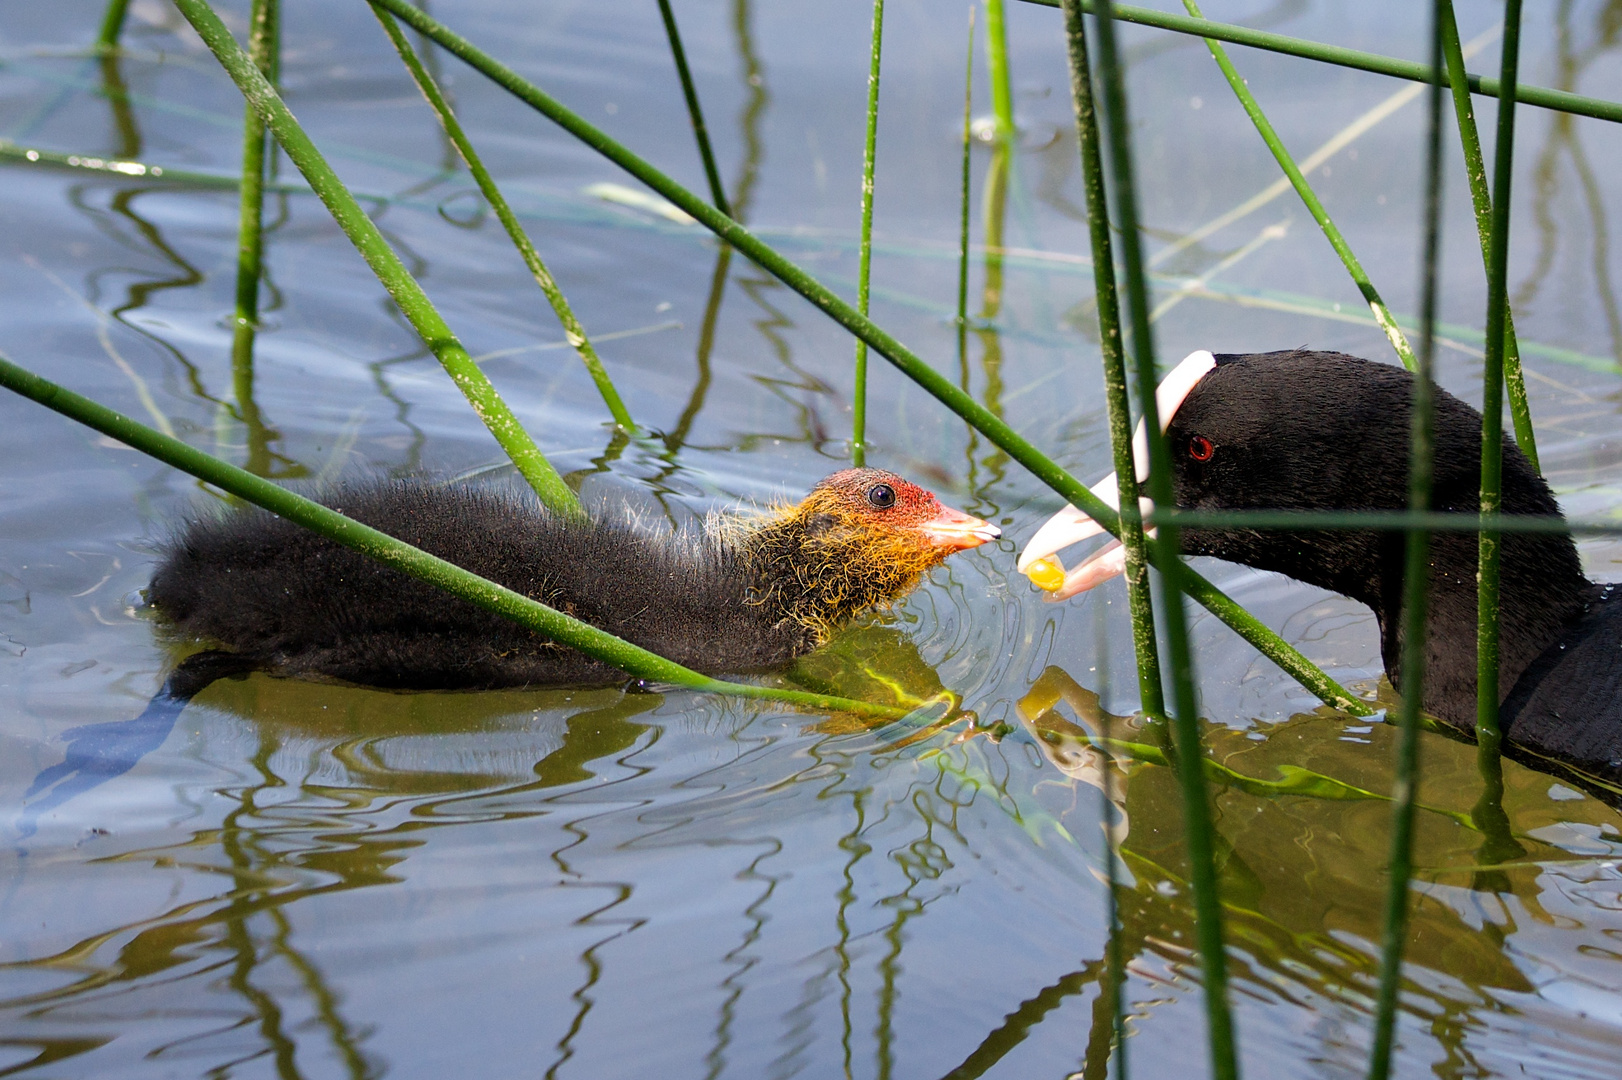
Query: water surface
[[311, 881]]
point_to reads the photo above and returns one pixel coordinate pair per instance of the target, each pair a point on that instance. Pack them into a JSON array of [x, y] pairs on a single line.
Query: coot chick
[[745, 594], [1307, 430]]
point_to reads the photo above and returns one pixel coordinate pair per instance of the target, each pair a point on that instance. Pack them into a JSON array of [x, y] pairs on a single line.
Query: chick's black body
[[1319, 431], [741, 596], [288, 600]]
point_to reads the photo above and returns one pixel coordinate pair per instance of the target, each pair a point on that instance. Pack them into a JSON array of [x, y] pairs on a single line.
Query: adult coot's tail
[[99, 752]]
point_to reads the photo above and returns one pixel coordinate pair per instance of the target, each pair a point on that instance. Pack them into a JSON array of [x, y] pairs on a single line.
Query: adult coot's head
[[1303, 430]]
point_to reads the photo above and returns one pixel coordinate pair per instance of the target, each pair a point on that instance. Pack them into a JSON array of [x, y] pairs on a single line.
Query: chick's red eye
[[1200, 448], [881, 496]]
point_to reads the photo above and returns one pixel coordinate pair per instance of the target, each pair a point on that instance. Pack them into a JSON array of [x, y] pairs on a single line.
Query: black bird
[[745, 594], [1307, 430]]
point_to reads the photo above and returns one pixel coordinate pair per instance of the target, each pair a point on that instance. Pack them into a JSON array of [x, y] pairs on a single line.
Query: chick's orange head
[[882, 502]]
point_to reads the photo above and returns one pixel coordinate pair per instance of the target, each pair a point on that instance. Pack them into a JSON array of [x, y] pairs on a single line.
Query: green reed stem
[[263, 49], [695, 114], [963, 205], [1415, 586], [999, 175], [997, 70], [1139, 602], [1199, 828], [402, 556], [112, 24], [909, 363], [1315, 207], [369, 241], [572, 328], [1475, 168], [1558, 100], [858, 437], [1492, 403]]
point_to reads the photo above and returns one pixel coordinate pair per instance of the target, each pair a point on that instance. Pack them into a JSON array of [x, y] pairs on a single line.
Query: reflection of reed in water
[[1293, 857], [343, 830]]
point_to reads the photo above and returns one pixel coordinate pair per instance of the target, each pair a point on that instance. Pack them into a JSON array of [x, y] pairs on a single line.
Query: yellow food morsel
[[1047, 574]]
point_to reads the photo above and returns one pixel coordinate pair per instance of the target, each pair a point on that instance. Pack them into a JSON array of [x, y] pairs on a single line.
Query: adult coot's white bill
[[1304, 430]]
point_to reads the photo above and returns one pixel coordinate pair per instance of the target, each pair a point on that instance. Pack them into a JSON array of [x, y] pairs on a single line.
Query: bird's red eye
[[1200, 448]]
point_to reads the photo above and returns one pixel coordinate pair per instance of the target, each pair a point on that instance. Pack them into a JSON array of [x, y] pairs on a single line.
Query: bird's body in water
[[743, 595], [1304, 430]]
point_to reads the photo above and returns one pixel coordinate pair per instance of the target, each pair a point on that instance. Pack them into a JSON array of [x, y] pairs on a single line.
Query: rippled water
[[309, 880]]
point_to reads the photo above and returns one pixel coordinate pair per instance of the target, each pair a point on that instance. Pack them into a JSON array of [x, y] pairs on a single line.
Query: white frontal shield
[[1070, 526]]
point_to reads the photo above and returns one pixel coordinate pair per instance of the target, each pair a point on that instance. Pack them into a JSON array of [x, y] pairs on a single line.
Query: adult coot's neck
[[1326, 431]]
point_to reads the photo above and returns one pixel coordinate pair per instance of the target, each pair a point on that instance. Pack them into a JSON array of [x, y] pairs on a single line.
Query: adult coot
[[1307, 430]]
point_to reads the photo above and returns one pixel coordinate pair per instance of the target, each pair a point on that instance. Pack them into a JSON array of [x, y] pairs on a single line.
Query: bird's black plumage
[[302, 605], [743, 595], [1318, 430]]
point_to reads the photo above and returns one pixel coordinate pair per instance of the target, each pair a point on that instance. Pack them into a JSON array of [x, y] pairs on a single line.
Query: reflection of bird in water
[[1323, 431], [1079, 750], [745, 594]]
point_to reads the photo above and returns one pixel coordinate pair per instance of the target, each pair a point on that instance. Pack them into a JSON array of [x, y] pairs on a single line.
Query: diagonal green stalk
[[263, 49], [1115, 392], [1315, 207], [572, 328], [1475, 168], [909, 363], [858, 436], [1416, 568], [402, 556], [694, 113], [1199, 828], [369, 241], [1492, 402], [1558, 100]]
